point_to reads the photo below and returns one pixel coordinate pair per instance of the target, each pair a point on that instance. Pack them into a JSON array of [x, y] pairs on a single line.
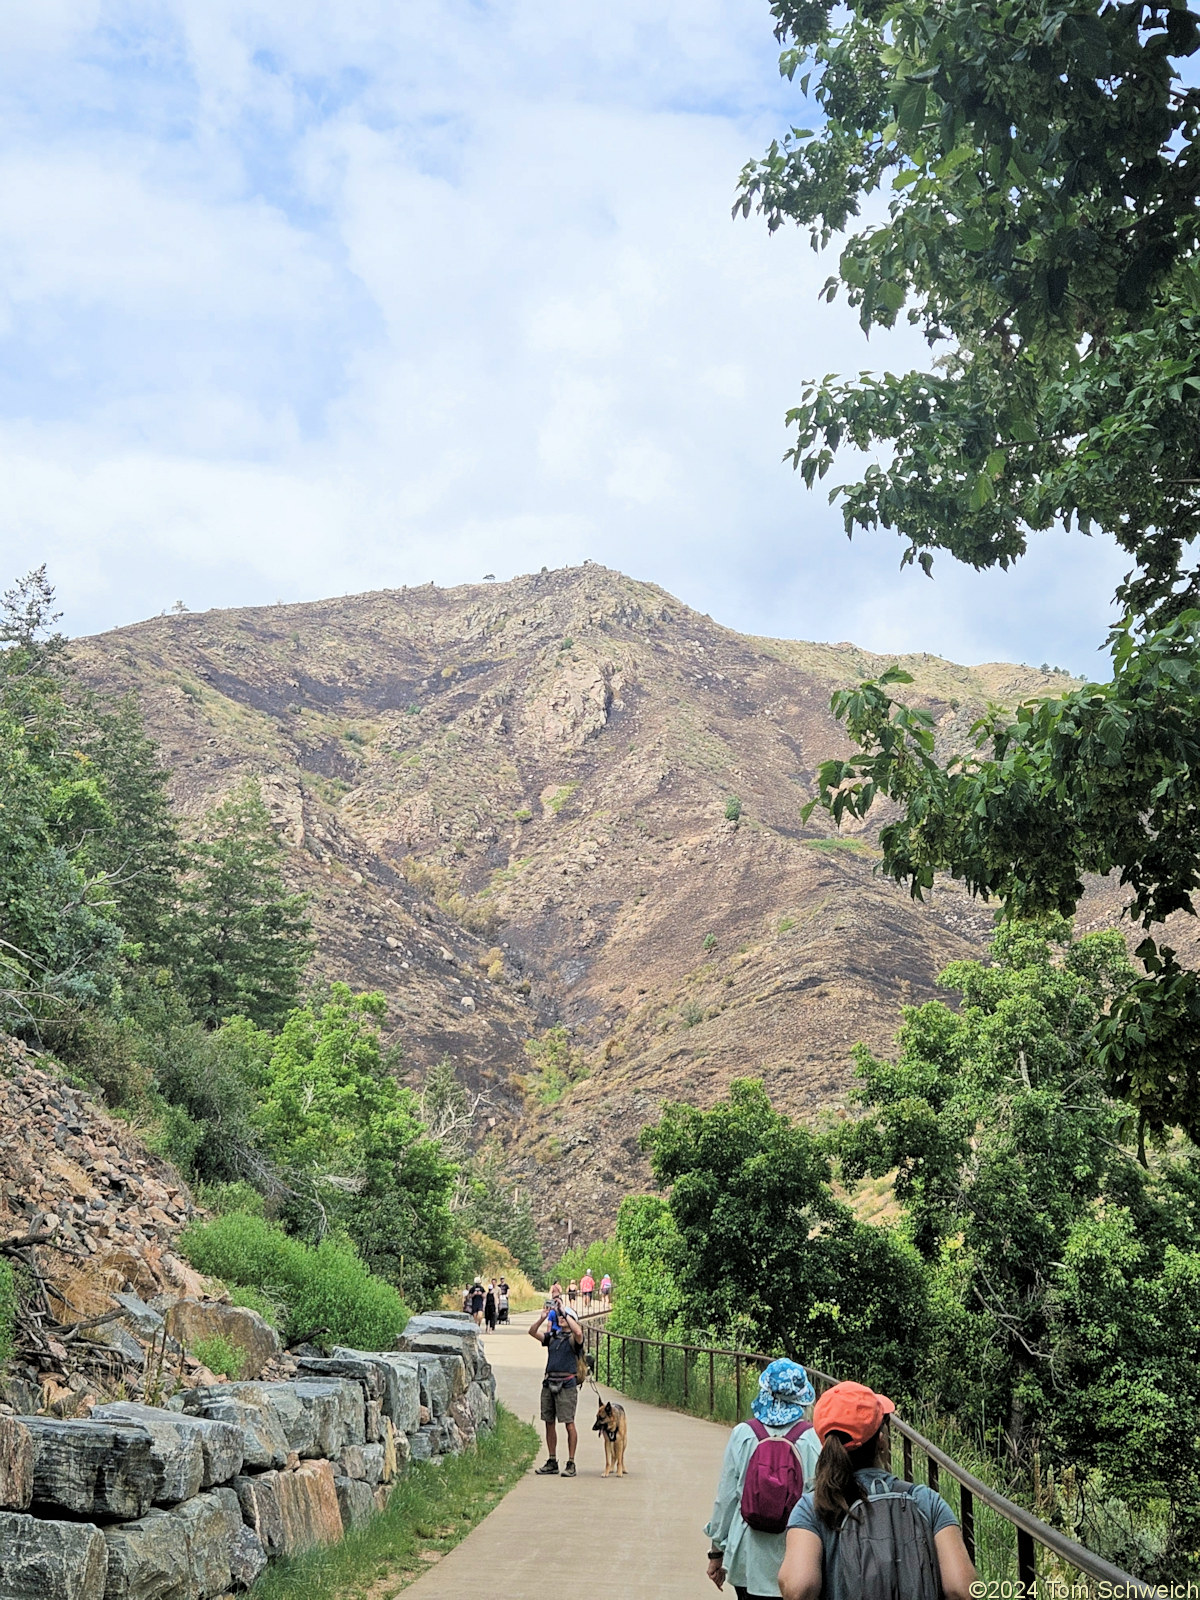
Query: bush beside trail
[[327, 1290]]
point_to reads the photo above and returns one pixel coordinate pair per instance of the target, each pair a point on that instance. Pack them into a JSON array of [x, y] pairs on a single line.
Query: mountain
[[511, 804]]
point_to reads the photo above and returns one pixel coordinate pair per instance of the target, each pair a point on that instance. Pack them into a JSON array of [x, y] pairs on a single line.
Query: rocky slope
[[509, 801]]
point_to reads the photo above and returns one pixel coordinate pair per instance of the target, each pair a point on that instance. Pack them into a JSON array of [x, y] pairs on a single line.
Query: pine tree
[[245, 941]]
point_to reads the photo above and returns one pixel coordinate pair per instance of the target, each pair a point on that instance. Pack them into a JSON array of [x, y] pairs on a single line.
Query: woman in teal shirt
[[748, 1558]]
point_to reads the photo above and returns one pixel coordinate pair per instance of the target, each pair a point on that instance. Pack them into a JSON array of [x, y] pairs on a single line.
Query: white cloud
[[303, 299]]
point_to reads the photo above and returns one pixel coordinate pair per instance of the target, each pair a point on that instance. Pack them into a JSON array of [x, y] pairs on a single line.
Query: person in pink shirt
[[587, 1285]]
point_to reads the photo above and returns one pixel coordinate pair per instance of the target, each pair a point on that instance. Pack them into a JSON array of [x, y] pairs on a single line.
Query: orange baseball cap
[[852, 1409]]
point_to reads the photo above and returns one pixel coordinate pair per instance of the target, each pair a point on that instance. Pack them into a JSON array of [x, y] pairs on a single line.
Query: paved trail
[[637, 1537]]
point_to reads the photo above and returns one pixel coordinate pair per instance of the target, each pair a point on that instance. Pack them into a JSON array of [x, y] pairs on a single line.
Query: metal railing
[[1030, 1531]]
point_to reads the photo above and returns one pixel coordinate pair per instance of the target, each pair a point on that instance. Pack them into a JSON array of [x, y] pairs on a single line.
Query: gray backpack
[[885, 1549]]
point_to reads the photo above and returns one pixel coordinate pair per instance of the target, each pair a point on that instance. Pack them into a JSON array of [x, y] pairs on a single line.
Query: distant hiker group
[[487, 1306], [810, 1510]]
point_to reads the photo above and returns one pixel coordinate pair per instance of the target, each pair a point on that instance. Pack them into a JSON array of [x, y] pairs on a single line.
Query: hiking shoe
[[549, 1468], [569, 1470]]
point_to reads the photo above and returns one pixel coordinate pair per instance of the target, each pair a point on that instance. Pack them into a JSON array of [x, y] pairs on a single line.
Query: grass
[[433, 1507]]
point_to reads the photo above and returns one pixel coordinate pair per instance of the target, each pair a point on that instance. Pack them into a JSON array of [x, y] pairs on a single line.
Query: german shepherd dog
[[610, 1421]]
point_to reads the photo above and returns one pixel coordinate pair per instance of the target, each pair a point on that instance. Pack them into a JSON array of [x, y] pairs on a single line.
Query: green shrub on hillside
[[220, 1357], [8, 1310], [327, 1288]]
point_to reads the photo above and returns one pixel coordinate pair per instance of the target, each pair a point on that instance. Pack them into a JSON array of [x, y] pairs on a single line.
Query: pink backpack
[[774, 1478]]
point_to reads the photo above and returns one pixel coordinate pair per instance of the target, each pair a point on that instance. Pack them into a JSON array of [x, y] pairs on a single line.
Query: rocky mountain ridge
[[566, 800]]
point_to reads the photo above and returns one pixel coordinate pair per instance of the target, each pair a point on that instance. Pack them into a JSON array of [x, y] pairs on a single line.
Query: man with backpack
[[769, 1462], [558, 1329], [861, 1533]]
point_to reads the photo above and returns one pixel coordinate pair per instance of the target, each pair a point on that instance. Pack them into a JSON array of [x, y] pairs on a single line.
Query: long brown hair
[[835, 1488]]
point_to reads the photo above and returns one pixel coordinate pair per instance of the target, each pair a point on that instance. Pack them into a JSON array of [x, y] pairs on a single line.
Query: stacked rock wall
[[190, 1501]]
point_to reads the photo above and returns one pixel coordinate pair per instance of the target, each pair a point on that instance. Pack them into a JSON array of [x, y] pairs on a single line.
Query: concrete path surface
[[634, 1538]]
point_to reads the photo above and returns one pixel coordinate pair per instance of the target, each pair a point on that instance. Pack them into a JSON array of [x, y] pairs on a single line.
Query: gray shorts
[[559, 1407]]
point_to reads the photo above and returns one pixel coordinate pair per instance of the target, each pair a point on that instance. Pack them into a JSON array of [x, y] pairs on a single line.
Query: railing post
[[685, 1375], [711, 1380], [641, 1360], [622, 1365], [966, 1517], [931, 1472], [737, 1383], [608, 1349], [908, 1466], [1026, 1560], [662, 1367]]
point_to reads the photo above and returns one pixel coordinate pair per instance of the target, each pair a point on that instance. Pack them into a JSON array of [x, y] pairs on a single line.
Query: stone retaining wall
[[190, 1501]]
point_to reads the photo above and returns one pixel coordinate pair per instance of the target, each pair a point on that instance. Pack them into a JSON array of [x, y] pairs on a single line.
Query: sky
[[302, 299]]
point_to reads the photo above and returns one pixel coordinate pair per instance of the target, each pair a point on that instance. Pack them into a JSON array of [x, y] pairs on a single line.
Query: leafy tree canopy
[[760, 1247], [1036, 171], [349, 1139], [1065, 1274]]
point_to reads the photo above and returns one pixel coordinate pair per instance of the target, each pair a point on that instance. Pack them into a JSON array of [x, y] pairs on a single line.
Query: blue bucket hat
[[783, 1393]]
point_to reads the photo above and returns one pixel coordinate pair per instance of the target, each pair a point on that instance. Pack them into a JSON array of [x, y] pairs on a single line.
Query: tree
[[348, 1139], [245, 941], [1042, 183], [761, 1250], [1066, 1274]]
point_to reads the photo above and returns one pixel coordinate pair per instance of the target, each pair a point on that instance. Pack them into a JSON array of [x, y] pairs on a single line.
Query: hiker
[[769, 1462], [558, 1330], [587, 1285], [477, 1299], [502, 1300], [489, 1307], [857, 1512], [572, 1293], [606, 1290]]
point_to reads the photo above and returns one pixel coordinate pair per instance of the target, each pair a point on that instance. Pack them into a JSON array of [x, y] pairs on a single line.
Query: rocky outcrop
[[192, 1320], [189, 1503], [43, 1559]]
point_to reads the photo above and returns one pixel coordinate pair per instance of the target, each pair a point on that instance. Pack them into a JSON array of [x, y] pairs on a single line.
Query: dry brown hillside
[[509, 803]]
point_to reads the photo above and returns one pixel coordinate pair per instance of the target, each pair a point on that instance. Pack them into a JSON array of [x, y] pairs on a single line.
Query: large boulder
[[356, 1502], [480, 1403], [211, 1524], [443, 1379], [176, 1452], [192, 1320], [221, 1444], [44, 1560], [148, 1559], [291, 1511], [92, 1469], [364, 1372], [400, 1375], [248, 1407], [444, 1333], [16, 1464], [247, 1558], [373, 1456], [319, 1416]]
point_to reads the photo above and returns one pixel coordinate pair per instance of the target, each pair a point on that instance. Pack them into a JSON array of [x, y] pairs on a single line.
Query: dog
[[610, 1421]]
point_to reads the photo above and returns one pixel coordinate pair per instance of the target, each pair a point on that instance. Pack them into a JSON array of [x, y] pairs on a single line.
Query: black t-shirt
[[560, 1353]]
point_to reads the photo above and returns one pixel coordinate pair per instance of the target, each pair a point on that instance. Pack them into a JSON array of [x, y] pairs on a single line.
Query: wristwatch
[[716, 1555]]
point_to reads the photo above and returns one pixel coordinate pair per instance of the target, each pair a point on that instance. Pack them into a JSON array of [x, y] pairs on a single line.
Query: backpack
[[885, 1550], [774, 1478]]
